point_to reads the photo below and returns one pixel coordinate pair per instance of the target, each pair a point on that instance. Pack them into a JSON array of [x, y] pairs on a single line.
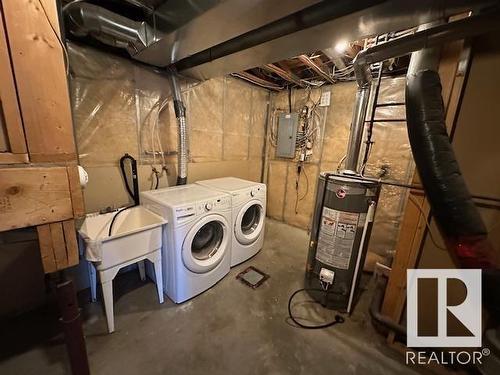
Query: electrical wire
[[338, 318], [340, 162], [56, 34], [427, 224], [300, 168]]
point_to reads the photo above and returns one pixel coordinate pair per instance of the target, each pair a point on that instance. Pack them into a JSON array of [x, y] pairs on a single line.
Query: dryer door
[[249, 222], [206, 244]]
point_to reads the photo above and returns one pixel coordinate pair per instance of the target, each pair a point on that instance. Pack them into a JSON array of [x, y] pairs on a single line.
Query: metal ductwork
[[209, 38], [83, 19]]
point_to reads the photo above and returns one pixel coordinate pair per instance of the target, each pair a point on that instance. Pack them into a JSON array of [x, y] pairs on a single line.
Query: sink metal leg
[[107, 292], [155, 258], [142, 270], [93, 281]]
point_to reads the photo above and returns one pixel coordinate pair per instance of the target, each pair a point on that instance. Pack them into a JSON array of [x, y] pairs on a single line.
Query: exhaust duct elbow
[[83, 19]]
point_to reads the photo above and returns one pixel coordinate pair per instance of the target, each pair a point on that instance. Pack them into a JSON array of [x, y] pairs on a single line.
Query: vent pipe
[[456, 214], [435, 36], [83, 19]]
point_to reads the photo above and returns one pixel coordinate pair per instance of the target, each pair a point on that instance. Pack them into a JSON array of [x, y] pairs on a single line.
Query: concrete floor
[[230, 329]]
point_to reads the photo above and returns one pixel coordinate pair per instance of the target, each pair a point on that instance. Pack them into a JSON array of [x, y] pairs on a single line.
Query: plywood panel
[[33, 196], [39, 68]]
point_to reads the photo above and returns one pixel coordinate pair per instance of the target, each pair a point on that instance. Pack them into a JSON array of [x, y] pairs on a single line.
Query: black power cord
[[338, 318]]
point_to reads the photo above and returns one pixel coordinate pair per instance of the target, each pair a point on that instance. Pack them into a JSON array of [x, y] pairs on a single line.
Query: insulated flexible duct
[[455, 212], [180, 114]]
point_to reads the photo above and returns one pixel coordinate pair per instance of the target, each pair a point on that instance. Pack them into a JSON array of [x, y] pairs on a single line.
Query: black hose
[[114, 218], [134, 194], [338, 318]]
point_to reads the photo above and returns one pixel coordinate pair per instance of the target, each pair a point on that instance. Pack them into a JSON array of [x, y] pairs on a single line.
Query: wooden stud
[[59, 245], [8, 99], [76, 192], [40, 75], [287, 76], [71, 242], [46, 249], [316, 68]]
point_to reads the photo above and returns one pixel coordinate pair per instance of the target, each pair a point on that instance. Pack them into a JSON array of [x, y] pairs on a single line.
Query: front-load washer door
[[206, 244], [249, 222]]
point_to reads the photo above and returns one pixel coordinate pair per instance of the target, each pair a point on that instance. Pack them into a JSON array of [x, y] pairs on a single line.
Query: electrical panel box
[[287, 135]]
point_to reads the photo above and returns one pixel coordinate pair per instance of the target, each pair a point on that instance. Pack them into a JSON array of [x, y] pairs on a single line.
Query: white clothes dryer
[[248, 201]]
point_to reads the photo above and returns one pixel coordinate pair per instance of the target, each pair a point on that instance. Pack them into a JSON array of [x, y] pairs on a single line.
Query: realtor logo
[[443, 308]]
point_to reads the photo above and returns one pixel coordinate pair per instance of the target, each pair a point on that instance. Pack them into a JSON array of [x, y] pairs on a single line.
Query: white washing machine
[[197, 238], [249, 213]]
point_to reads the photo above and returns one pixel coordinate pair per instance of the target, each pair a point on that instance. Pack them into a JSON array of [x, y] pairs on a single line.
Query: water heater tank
[[342, 221]]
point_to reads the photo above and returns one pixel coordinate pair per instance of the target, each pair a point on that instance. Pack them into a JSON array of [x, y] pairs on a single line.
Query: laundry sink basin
[[136, 232]]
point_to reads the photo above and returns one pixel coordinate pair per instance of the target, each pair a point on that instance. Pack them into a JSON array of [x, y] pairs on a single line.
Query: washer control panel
[[222, 203]]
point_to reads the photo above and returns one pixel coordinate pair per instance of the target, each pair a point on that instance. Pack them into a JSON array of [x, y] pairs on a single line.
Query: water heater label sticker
[[336, 237]]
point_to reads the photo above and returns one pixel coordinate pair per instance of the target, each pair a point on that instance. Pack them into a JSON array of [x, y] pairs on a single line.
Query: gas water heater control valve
[[326, 276]]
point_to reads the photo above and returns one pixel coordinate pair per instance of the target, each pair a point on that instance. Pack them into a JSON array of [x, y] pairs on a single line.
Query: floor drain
[[252, 277]]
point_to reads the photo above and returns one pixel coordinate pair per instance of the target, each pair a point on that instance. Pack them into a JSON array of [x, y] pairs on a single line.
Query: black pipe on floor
[[73, 331], [376, 306]]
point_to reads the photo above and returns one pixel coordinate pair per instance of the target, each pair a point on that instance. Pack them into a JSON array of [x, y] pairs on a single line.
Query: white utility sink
[[136, 236]]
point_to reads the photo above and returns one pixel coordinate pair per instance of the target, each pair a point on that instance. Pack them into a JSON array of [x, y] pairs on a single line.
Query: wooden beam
[[40, 75], [71, 242], [76, 191], [46, 249], [33, 196], [10, 158], [311, 64], [8, 98], [58, 245], [287, 76], [258, 81]]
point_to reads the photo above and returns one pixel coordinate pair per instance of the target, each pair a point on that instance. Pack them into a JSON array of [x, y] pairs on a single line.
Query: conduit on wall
[[180, 115]]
